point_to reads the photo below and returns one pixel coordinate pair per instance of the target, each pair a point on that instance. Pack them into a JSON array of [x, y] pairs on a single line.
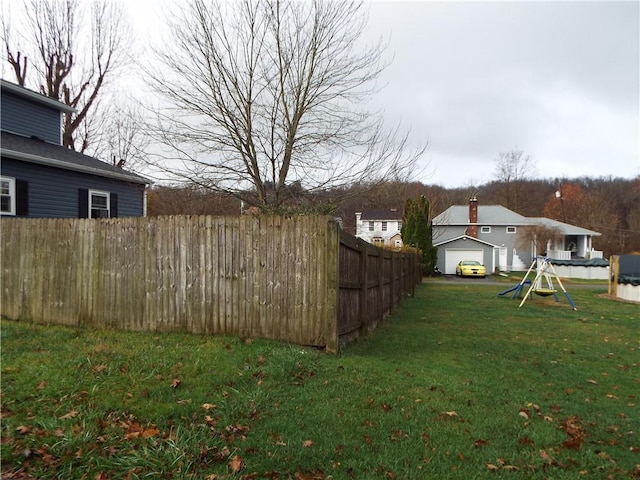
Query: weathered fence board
[[296, 279]]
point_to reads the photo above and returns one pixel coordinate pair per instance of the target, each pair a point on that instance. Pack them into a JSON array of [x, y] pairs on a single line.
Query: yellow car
[[470, 268]]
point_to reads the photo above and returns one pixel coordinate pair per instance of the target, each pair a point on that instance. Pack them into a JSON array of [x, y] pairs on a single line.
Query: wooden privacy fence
[[295, 279]]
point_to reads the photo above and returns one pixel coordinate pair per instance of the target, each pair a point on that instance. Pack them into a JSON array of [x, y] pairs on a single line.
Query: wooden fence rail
[[295, 279]]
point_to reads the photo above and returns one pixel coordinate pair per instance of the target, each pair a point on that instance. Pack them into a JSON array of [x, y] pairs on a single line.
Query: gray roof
[[487, 215], [382, 214], [35, 96], [565, 228], [466, 237], [490, 215], [43, 153]]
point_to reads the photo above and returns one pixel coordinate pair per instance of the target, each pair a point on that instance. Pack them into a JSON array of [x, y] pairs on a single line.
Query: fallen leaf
[[236, 464], [480, 443], [71, 414], [150, 432], [176, 383], [307, 443], [546, 457], [591, 380], [524, 414], [23, 429], [208, 406], [492, 467], [526, 441]]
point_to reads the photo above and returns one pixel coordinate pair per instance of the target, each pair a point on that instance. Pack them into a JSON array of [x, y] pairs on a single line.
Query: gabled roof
[[35, 96], [43, 153], [382, 214], [565, 228], [487, 215], [491, 215], [464, 237]]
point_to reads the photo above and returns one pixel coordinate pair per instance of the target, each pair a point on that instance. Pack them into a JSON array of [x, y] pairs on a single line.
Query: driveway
[[504, 282]]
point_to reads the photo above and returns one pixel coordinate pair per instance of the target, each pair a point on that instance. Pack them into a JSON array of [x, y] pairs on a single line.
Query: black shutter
[[22, 198], [113, 205], [83, 203]]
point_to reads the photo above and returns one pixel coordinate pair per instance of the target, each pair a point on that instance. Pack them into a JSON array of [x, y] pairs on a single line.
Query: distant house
[[41, 178], [380, 227], [492, 234]]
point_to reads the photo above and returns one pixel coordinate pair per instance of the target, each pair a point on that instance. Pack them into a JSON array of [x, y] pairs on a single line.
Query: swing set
[[545, 271]]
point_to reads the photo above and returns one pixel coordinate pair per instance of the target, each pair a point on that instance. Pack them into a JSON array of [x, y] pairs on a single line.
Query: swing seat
[[544, 292]]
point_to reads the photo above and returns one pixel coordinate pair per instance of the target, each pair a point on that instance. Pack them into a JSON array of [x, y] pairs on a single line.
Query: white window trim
[[12, 195], [101, 193], [511, 230], [485, 229]]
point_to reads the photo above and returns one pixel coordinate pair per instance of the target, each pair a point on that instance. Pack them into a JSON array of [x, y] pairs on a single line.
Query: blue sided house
[[39, 177]]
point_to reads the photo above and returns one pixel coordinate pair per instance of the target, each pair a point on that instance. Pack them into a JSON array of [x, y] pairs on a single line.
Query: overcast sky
[[557, 80]]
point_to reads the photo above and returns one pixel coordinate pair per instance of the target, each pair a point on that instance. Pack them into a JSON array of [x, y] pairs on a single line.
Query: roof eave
[[52, 162], [36, 97]]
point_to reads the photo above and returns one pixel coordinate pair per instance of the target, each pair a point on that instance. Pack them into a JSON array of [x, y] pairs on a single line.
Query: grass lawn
[[458, 383]]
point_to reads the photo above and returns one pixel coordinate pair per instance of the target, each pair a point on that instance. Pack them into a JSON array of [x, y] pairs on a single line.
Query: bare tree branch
[[260, 95], [73, 56]]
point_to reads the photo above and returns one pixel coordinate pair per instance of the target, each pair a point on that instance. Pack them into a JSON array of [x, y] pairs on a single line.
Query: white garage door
[[453, 256]]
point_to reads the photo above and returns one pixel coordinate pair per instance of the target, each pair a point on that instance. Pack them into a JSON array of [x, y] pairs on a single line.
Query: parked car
[[470, 268]]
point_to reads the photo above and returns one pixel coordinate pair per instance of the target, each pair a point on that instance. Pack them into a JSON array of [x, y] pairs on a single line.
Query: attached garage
[[454, 255], [451, 251]]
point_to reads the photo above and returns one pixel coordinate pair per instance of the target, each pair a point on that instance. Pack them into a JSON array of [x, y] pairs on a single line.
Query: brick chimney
[[472, 229]]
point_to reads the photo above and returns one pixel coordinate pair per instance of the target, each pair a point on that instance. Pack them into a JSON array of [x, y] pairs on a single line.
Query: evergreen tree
[[417, 230]]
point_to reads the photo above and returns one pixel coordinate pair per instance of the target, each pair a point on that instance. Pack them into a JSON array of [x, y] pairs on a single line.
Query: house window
[[378, 241], [7, 196], [485, 229], [399, 226], [384, 226], [99, 204], [511, 229], [371, 226]]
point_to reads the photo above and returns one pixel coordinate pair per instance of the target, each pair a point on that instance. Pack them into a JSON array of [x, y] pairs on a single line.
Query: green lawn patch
[[458, 383]]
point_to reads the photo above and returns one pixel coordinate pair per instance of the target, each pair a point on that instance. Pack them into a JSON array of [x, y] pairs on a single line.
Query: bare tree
[[539, 236], [512, 168], [261, 95], [120, 132], [71, 57]]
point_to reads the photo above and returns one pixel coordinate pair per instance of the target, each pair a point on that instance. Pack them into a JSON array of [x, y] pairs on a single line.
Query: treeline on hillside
[[607, 205]]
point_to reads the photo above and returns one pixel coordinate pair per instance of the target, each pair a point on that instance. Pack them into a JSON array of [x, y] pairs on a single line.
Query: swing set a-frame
[[545, 271]]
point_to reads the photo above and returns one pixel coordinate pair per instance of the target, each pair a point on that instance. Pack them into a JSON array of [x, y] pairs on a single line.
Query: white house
[[380, 227], [490, 234]]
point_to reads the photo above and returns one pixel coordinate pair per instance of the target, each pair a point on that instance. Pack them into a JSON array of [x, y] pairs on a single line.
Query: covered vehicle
[[470, 268]]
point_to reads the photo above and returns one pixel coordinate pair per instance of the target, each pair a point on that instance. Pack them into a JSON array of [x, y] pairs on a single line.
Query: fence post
[[380, 295], [364, 287], [614, 271], [333, 287], [393, 289]]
